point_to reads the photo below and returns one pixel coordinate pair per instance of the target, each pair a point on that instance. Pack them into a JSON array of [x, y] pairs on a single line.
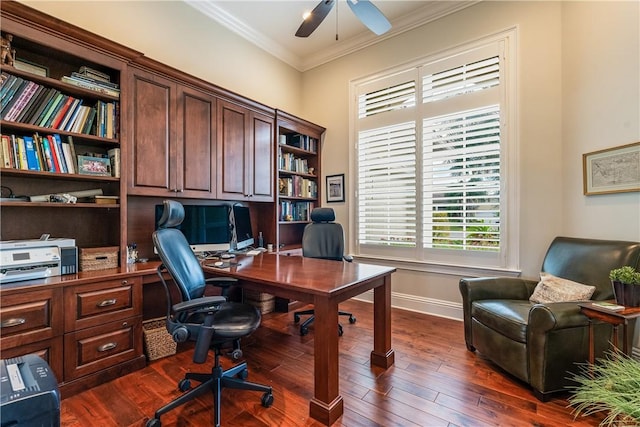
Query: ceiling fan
[[364, 10]]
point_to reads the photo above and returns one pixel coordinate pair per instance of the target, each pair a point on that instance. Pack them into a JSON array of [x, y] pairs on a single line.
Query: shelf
[[302, 174], [49, 175], [59, 205], [58, 84], [82, 137], [296, 150], [293, 222]]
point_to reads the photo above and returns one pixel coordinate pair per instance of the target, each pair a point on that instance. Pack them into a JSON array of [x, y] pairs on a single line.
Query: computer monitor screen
[[242, 227], [206, 227]]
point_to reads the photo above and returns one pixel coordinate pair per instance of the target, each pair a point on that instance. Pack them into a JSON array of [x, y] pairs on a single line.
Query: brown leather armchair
[[540, 343]]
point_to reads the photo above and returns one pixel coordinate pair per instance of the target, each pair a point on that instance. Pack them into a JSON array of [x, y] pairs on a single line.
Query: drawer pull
[[107, 302], [107, 347], [16, 321]]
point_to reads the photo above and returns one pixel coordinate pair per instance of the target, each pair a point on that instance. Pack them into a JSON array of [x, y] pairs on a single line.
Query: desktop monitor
[[206, 227], [242, 230]]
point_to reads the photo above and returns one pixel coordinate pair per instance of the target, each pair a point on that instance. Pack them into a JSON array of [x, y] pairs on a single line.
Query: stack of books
[[92, 79]]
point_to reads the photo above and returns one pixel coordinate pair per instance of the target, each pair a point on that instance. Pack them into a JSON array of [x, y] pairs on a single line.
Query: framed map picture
[[335, 188], [613, 170]]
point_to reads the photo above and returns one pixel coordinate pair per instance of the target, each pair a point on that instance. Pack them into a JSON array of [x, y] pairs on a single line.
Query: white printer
[[37, 258]]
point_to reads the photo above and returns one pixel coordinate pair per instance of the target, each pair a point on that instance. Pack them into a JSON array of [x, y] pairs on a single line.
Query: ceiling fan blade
[[370, 16], [314, 19]]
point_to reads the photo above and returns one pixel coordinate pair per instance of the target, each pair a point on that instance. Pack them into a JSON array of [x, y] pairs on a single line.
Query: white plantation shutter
[[461, 180], [387, 186], [431, 160]]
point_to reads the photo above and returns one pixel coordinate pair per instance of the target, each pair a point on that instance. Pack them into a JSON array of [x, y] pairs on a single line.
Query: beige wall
[[175, 34], [577, 91]]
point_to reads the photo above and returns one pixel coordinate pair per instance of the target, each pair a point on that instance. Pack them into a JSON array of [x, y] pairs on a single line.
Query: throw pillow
[[556, 289]]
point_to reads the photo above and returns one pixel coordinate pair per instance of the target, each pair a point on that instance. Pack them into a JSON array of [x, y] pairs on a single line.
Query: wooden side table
[[626, 318]]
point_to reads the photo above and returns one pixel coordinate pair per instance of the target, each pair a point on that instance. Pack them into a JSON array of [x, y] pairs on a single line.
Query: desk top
[[302, 277]]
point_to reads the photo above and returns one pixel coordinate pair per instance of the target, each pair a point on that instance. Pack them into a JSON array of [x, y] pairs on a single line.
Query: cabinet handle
[[107, 347], [107, 302], [125, 282], [16, 321]]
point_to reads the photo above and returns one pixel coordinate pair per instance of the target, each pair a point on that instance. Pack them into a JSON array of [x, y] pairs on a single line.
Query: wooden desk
[[625, 318], [325, 284]]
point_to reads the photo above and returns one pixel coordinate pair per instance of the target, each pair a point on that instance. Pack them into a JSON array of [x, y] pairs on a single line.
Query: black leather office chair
[[323, 238], [210, 321]]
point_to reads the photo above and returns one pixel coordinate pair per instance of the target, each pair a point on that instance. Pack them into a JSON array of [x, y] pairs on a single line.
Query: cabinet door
[[233, 137], [262, 178], [196, 154], [152, 131]]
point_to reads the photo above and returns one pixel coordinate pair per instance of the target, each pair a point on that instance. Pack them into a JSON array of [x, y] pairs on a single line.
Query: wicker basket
[[158, 343], [266, 303], [98, 258]]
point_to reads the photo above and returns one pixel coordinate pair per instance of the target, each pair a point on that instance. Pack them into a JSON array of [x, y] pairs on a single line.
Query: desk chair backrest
[[176, 254], [323, 238]]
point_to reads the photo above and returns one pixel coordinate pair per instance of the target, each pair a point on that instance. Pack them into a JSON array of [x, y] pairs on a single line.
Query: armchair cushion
[[556, 289]]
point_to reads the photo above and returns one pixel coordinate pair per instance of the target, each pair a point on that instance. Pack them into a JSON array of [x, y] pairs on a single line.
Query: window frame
[[506, 261]]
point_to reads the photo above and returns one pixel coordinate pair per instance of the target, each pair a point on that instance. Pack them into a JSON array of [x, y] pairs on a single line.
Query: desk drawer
[[94, 349], [49, 350], [98, 303], [30, 317]]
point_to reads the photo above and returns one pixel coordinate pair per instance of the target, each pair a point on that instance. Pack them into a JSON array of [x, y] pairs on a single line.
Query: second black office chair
[[323, 238], [210, 321]]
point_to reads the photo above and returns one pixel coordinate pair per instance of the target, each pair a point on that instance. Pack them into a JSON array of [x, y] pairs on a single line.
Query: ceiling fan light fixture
[[365, 11]]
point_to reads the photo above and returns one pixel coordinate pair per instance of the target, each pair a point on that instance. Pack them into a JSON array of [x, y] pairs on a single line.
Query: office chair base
[[215, 382], [304, 327]]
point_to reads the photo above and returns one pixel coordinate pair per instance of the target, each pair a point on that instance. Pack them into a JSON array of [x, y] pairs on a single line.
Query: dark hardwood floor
[[434, 382]]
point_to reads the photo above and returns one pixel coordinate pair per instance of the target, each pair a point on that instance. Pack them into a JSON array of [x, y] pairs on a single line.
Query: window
[[433, 156]]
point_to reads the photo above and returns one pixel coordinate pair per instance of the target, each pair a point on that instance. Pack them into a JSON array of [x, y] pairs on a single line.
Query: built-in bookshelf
[[60, 137], [299, 186]]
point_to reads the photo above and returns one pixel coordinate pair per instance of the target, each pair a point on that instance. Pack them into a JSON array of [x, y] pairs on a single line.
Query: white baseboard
[[432, 306]]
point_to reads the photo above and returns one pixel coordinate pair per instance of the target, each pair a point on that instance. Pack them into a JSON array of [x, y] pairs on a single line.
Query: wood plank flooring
[[435, 382]]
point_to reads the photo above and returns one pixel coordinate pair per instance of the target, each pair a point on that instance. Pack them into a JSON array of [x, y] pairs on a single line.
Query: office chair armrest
[[347, 258], [199, 303], [221, 281]]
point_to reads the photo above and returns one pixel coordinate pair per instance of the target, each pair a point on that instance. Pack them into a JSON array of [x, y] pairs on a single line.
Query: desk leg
[[327, 404], [382, 354], [591, 343]]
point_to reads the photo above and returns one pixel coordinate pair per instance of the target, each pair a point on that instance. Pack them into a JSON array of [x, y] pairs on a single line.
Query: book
[[26, 95], [105, 200], [69, 114], [60, 153], [55, 122], [89, 122], [74, 158], [30, 150], [7, 157], [91, 86], [114, 158], [50, 93], [50, 109], [21, 158], [608, 306], [68, 157], [28, 109], [48, 156], [14, 97], [54, 153]]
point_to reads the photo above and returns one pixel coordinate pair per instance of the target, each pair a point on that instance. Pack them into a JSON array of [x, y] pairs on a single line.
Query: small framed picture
[[97, 166], [612, 170], [31, 67], [335, 188]]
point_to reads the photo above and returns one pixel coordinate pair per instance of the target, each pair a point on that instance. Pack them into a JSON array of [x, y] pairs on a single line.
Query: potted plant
[[626, 286], [609, 386]]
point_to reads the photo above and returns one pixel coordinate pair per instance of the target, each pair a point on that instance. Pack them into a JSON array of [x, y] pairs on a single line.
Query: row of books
[[295, 211], [297, 186], [304, 142], [47, 153], [25, 101], [289, 162]]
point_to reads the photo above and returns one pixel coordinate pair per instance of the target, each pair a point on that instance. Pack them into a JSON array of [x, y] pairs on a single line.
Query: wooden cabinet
[[59, 52], [173, 138], [32, 322], [245, 147], [89, 331], [299, 172]]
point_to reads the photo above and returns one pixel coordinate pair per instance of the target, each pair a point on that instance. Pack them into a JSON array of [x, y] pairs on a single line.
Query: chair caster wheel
[[304, 331], [236, 354], [243, 374], [296, 318], [183, 386], [267, 399], [153, 422], [352, 320]]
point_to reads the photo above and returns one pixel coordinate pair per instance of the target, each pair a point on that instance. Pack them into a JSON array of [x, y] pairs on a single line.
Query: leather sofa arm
[[496, 288], [558, 315]]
